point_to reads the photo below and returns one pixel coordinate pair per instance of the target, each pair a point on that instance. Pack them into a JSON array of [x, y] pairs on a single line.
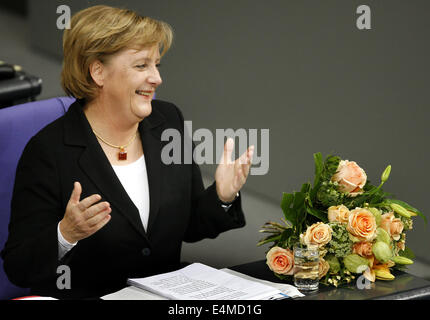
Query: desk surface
[[404, 287]]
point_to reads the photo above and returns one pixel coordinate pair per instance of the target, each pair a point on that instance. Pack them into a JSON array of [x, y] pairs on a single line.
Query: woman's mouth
[[143, 93]]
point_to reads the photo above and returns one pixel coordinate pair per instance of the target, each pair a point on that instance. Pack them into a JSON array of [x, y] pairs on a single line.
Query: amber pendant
[[122, 155]]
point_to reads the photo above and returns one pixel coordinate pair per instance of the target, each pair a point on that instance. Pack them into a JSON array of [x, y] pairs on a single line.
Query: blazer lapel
[[103, 176], [96, 165], [150, 132]]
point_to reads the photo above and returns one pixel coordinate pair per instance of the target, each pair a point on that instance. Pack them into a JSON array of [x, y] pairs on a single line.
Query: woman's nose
[[155, 78]]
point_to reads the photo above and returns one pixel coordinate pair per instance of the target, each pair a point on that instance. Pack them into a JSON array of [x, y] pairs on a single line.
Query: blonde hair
[[99, 32]]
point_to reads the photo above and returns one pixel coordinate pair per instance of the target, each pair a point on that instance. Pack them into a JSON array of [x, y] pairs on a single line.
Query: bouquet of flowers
[[357, 227]]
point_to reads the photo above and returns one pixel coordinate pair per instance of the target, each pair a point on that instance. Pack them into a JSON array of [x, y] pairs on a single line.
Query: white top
[[134, 179]]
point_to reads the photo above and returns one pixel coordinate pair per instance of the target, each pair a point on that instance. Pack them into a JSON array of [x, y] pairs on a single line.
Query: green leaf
[[283, 277], [318, 213], [400, 267], [287, 200], [408, 207], [269, 239], [285, 237], [289, 214], [305, 188], [299, 200], [331, 164], [407, 253], [299, 210], [319, 167]]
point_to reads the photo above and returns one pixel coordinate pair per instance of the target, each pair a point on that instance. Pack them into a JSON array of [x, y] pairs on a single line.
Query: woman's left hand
[[230, 176]]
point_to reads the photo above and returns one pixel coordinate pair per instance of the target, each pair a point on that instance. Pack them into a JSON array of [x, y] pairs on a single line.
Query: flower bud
[[381, 251], [377, 215], [413, 214], [401, 260], [354, 263], [400, 210], [386, 174], [382, 235], [383, 274], [334, 263]]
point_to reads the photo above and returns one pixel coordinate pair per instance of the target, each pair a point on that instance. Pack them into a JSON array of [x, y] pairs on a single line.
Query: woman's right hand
[[83, 218]]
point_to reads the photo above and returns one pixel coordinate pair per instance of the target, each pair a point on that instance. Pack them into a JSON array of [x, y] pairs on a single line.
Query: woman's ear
[[97, 72]]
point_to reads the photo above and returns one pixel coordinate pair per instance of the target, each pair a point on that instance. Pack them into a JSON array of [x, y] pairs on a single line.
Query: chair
[[17, 125]]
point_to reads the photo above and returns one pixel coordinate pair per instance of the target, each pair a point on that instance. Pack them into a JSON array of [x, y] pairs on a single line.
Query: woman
[[91, 191]]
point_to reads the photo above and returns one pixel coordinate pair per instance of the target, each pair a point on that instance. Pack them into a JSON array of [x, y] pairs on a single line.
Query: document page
[[132, 293], [201, 282], [288, 290]]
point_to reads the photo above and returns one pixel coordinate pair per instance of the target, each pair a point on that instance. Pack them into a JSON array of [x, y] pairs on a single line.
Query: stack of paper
[[201, 282]]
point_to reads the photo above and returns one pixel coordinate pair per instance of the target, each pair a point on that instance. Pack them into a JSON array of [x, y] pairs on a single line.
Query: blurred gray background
[[301, 69]]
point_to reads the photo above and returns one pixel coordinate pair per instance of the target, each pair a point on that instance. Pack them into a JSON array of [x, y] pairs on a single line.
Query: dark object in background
[[16, 86], [16, 6], [7, 71]]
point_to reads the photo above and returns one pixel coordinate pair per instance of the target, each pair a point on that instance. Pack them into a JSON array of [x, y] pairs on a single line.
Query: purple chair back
[[18, 124]]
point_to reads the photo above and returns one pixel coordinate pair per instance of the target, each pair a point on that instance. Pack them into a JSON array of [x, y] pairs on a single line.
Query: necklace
[[122, 155]]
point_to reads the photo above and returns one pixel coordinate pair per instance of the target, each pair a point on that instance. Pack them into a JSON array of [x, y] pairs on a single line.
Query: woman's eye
[[143, 66]]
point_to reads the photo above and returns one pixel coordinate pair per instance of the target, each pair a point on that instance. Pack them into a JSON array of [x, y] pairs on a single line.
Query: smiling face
[[127, 83]]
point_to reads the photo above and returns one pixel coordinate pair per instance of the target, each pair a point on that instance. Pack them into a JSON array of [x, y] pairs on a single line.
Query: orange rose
[[362, 224], [317, 234], [280, 261], [364, 249], [394, 226], [338, 213], [351, 178], [323, 268]]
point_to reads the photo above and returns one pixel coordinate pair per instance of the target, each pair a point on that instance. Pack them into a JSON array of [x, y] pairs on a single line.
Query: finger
[[243, 158], [89, 201], [239, 179], [237, 165], [242, 172], [228, 150], [247, 156], [238, 171], [76, 193], [251, 153], [99, 217], [95, 209], [246, 168], [106, 218]]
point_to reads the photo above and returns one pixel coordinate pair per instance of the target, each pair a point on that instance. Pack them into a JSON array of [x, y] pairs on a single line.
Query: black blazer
[[66, 151]]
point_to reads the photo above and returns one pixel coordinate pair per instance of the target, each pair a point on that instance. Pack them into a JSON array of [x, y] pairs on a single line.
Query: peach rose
[[323, 268], [338, 213], [393, 226], [280, 261], [317, 234], [351, 178], [364, 249], [362, 224]]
